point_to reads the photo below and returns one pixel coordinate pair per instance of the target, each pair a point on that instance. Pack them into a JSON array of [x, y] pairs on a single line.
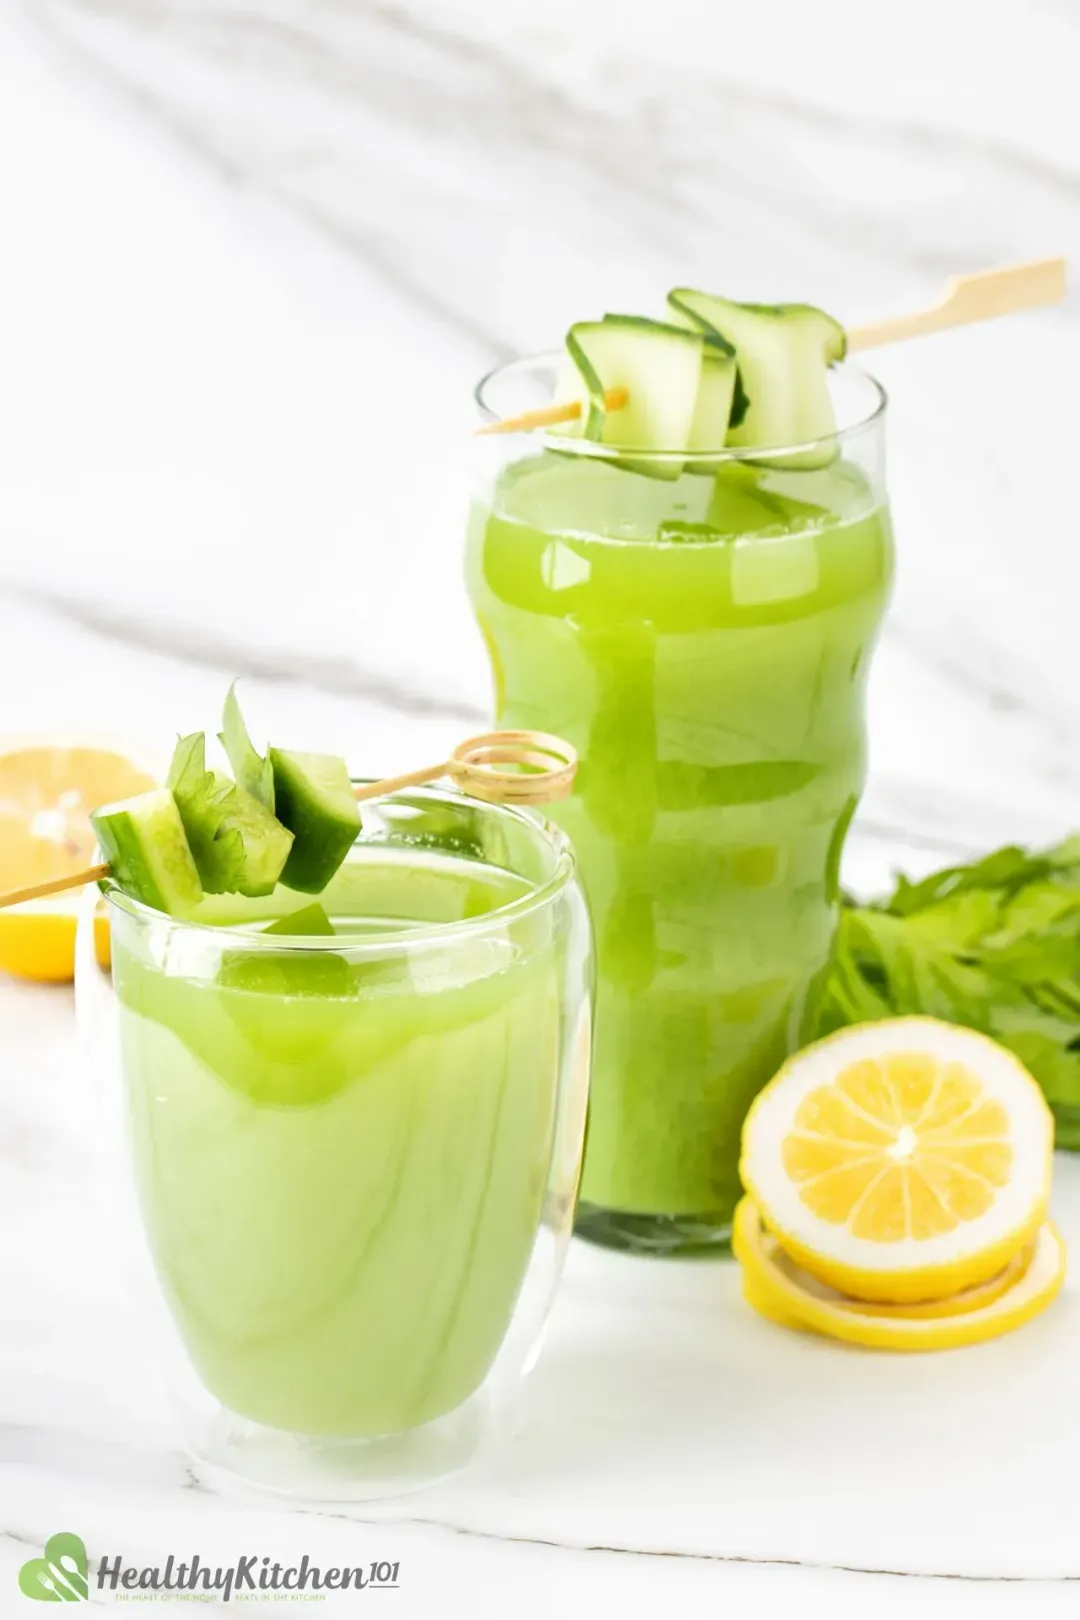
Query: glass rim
[[569, 444], [381, 942]]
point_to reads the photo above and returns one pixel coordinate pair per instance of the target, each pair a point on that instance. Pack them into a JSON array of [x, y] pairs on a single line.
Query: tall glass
[[355, 1155], [700, 629]]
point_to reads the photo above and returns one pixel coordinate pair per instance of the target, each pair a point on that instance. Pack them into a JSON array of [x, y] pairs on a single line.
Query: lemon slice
[[762, 1300], [46, 794], [757, 1285], [901, 1161], [759, 1294], [774, 1292]]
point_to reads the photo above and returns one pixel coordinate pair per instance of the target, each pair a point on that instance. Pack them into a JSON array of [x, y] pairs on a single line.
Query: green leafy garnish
[[994, 945], [206, 802], [238, 845], [253, 772]]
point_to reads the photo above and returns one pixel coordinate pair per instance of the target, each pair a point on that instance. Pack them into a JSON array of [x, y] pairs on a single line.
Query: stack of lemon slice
[[47, 791], [898, 1178]]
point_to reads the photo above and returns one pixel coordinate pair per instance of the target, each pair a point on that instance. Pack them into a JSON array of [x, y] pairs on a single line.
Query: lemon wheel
[[772, 1289], [969, 1299], [902, 1161]]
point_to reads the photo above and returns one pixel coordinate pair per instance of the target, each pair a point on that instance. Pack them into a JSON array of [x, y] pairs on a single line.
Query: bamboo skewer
[[476, 766], [552, 415], [980, 297], [38, 891]]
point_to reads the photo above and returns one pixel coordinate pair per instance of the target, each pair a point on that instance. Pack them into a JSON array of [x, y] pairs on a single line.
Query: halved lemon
[[771, 1288], [901, 1161], [47, 792]]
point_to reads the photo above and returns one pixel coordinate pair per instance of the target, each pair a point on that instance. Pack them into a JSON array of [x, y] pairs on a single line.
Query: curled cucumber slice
[[659, 366], [715, 402], [784, 352]]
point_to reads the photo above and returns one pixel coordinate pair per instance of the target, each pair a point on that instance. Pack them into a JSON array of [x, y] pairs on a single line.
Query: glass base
[[686, 1235], [230, 1452]]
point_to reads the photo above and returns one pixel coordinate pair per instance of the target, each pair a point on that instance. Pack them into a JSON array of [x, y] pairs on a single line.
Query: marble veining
[[684, 157], [232, 659]]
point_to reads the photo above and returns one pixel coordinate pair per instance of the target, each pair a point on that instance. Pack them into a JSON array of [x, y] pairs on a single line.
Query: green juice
[[704, 643], [341, 1161]]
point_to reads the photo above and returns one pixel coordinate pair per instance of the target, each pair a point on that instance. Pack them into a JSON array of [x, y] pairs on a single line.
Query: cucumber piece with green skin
[[716, 394], [659, 366], [682, 316], [238, 846], [144, 842], [308, 920], [784, 352], [315, 800], [717, 387]]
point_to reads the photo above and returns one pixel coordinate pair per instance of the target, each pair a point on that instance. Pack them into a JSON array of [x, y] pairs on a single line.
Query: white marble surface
[[252, 257]]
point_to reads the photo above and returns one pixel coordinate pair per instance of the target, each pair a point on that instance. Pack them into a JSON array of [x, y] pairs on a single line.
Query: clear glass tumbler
[[700, 628], [355, 1154]]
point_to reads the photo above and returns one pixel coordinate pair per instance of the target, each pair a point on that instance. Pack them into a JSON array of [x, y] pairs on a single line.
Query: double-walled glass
[[355, 1155], [700, 628]]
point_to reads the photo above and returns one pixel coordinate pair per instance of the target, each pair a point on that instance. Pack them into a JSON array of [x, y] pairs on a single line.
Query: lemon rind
[[894, 1278], [784, 1300], [967, 1299]]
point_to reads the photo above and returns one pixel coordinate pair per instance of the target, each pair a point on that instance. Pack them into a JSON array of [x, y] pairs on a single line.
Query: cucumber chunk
[[315, 800], [660, 367], [308, 920], [238, 846], [253, 773], [144, 842], [784, 352], [281, 1029]]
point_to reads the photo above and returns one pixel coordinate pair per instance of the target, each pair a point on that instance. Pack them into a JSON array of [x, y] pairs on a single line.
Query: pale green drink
[[340, 1162]]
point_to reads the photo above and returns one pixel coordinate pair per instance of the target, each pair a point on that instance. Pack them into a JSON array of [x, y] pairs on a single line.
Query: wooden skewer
[[38, 891], [477, 767], [980, 297], [552, 415]]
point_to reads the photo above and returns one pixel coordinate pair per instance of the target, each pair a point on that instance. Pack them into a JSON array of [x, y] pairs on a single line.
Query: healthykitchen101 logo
[[62, 1575]]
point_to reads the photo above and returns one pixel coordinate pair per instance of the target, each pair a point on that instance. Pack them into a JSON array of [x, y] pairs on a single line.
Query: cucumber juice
[[341, 1159], [704, 642]]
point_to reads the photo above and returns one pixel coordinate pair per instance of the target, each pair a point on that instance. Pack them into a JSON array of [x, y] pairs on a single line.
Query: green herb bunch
[[995, 946]]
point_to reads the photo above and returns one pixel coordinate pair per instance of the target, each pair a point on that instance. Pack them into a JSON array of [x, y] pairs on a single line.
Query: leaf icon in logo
[[61, 1575]]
